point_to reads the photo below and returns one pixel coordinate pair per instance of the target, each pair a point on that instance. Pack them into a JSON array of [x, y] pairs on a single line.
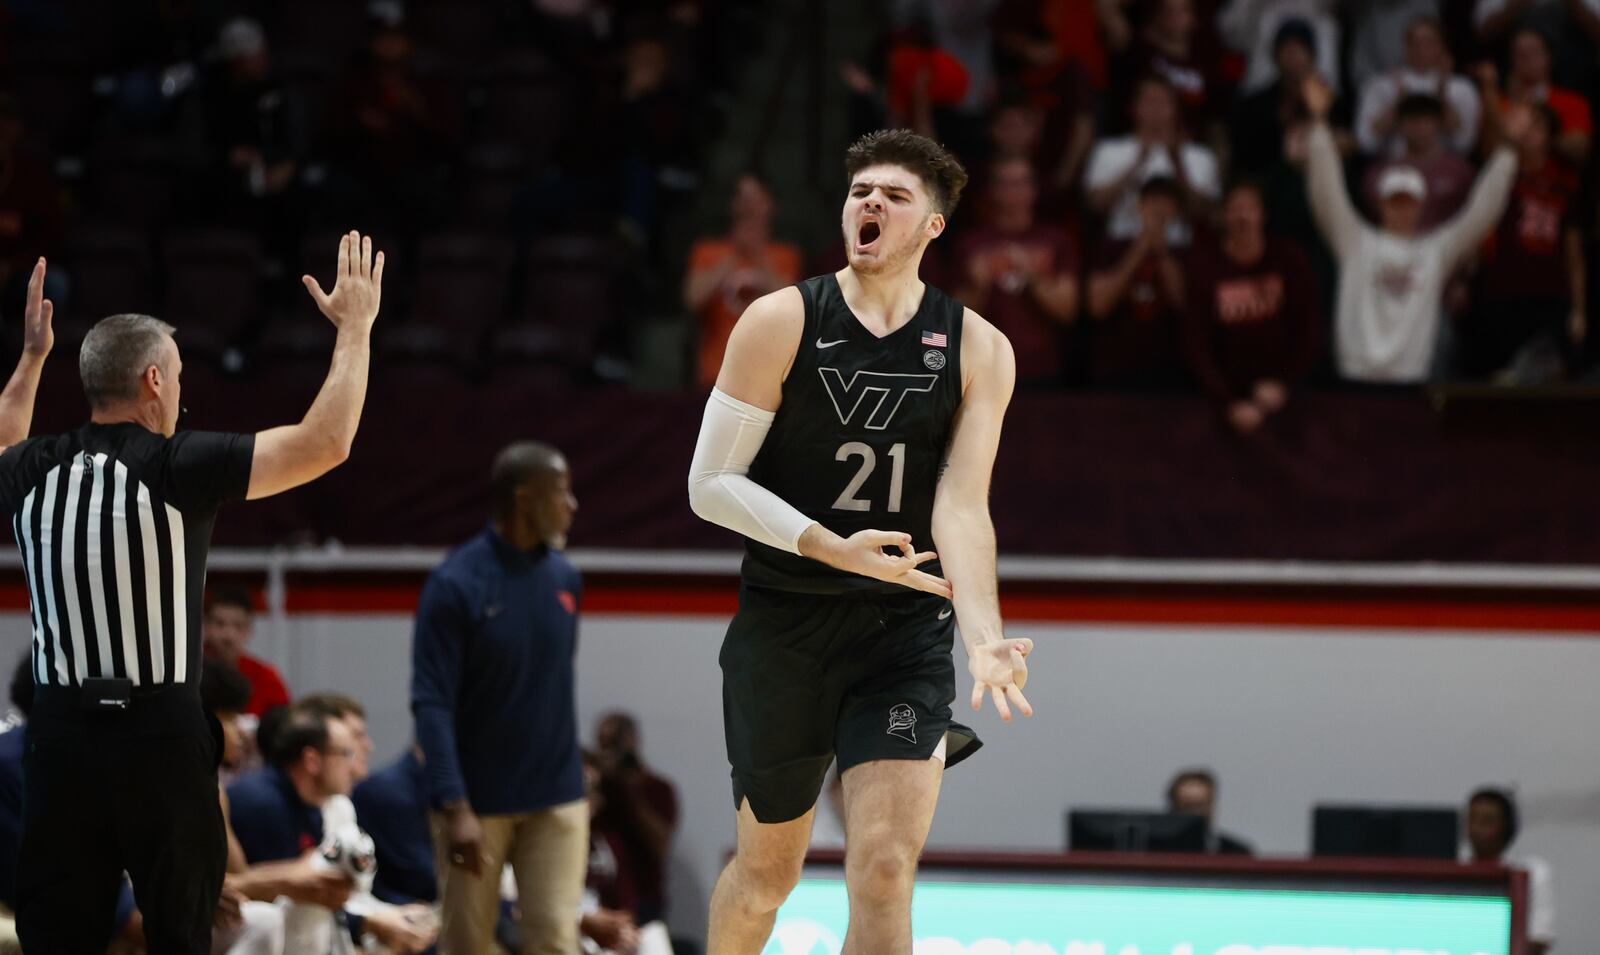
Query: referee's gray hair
[[515, 464], [116, 353]]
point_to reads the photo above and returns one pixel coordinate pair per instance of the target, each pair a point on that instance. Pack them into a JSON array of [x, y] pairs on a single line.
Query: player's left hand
[[1000, 669]]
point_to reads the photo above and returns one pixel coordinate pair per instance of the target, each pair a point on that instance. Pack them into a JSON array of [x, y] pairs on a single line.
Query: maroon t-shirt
[[1249, 322], [641, 882], [1037, 338], [1137, 344], [1524, 257]]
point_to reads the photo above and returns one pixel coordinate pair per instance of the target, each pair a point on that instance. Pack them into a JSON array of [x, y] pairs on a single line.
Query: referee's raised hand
[[38, 336], [357, 284]]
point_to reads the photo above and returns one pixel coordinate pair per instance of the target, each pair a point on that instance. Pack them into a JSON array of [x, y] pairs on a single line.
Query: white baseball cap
[[1402, 181]]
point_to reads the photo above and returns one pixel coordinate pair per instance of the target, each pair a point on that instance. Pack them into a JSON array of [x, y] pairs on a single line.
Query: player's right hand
[[863, 553]]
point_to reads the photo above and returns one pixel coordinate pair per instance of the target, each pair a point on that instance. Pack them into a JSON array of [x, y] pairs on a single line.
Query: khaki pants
[[549, 854]]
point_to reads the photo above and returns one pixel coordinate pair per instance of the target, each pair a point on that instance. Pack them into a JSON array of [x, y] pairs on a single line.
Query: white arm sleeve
[[720, 490]]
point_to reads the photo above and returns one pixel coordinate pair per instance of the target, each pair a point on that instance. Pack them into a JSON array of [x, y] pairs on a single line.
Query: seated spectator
[[389, 138], [1572, 28], [1194, 791], [1492, 826], [1529, 82], [1250, 27], [392, 807], [228, 625], [1530, 304], [1018, 130], [1427, 71], [255, 136], [1021, 274], [1253, 327], [639, 813], [338, 706], [1392, 276], [1419, 127], [277, 815], [725, 275], [1378, 35], [1262, 120], [1041, 42], [610, 894], [1119, 167], [1168, 46], [244, 925], [924, 82], [1136, 294]]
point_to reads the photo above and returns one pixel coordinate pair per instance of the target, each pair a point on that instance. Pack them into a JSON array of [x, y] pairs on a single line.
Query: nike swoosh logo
[[823, 344], [946, 612]]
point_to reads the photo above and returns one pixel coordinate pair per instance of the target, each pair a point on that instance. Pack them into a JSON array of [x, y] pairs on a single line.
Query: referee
[[114, 521]]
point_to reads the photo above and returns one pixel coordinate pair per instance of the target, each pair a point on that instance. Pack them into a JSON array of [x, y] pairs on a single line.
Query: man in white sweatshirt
[[1391, 276]]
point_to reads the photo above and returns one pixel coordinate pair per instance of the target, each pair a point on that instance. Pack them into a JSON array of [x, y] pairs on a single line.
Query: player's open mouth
[[867, 235]]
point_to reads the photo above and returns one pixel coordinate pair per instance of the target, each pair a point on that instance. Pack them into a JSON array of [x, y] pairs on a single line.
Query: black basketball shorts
[[807, 678]]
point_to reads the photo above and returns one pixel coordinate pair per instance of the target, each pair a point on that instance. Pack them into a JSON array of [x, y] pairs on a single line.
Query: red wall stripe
[[1477, 612]]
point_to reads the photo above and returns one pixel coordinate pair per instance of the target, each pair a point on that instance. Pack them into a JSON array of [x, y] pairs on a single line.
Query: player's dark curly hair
[[939, 171]]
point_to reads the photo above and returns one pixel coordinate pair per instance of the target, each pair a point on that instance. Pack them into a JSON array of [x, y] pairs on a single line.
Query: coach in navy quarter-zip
[[492, 692]]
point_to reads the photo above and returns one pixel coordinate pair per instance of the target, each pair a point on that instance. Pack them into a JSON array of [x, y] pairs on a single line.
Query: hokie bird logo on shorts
[[903, 722]]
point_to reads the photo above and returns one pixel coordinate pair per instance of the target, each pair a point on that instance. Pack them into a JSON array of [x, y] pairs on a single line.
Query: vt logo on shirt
[[880, 392]]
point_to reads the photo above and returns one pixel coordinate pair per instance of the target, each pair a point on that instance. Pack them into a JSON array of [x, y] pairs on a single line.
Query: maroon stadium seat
[[111, 270], [524, 102], [461, 282], [213, 286], [568, 286]]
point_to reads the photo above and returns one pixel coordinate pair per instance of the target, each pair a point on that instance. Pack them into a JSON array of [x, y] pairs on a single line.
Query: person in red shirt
[[1021, 274], [229, 620], [1529, 306], [638, 816], [1136, 293], [1529, 81], [1252, 328]]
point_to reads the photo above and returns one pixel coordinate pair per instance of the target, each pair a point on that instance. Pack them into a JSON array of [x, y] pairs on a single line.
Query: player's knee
[[767, 881], [881, 872]]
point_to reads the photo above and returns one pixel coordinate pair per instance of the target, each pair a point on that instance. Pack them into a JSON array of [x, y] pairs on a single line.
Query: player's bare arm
[[38, 337], [748, 393], [962, 528]]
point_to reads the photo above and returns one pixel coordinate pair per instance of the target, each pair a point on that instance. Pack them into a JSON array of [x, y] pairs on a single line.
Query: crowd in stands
[[1240, 198], [520, 162], [516, 159]]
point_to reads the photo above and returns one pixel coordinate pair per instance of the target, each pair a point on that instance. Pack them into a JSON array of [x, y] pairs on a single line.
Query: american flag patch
[[936, 339]]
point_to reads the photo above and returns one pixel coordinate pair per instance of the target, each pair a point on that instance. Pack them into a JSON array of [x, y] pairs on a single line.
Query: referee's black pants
[[105, 792]]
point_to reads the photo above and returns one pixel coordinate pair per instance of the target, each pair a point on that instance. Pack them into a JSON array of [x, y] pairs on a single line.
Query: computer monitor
[[1385, 832], [1122, 830]]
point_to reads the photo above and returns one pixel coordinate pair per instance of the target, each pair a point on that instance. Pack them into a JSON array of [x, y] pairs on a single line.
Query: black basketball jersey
[[862, 431]]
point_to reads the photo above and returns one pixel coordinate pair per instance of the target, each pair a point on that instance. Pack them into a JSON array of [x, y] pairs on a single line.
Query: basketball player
[[853, 427]]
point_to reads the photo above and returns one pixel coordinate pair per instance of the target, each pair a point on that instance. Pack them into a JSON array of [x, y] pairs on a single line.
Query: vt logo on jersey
[[880, 392]]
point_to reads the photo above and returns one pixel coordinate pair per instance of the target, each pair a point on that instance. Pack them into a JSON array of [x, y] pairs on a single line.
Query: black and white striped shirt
[[114, 524]]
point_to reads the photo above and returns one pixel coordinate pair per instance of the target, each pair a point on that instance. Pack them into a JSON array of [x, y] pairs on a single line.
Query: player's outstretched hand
[[1000, 669], [357, 284], [863, 553]]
